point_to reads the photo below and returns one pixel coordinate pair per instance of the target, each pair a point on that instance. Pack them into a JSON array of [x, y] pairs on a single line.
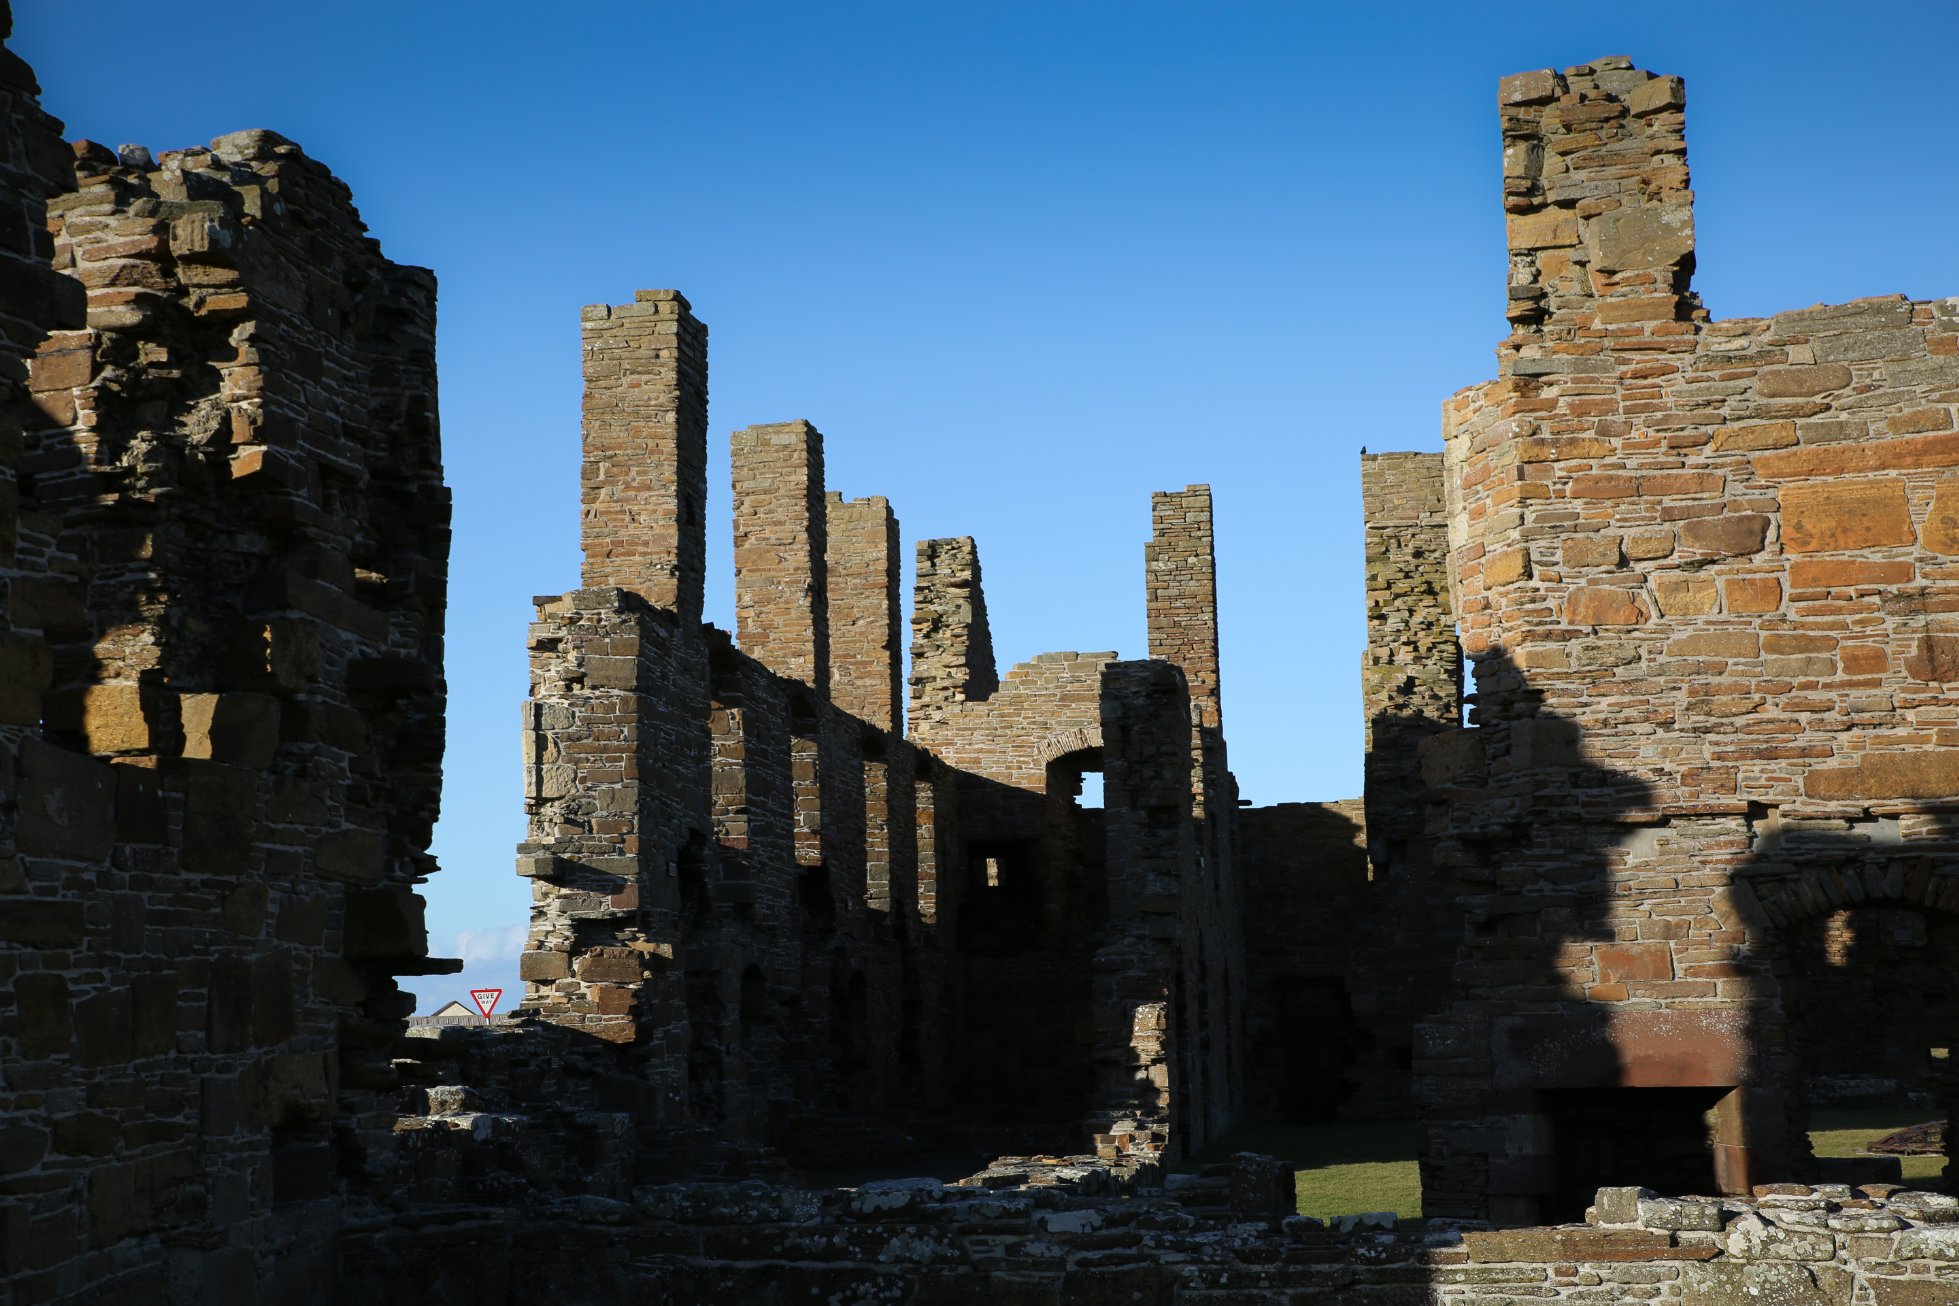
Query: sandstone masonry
[[801, 914]]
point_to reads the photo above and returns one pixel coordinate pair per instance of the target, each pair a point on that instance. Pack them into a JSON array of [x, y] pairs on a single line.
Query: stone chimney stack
[[862, 560], [1182, 583], [1600, 220], [643, 500], [782, 610]]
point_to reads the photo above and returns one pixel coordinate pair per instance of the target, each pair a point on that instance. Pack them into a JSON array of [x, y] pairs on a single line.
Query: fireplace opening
[[1658, 1138]]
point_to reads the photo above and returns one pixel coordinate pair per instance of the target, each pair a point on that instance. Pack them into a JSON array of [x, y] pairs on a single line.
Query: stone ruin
[[806, 923]]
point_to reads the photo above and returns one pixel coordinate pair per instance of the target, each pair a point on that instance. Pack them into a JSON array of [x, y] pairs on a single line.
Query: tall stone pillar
[[1150, 859], [643, 500], [1181, 566], [781, 583], [862, 562], [1411, 678], [951, 644]]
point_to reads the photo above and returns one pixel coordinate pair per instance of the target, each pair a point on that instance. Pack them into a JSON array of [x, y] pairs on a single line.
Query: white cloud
[[499, 943]]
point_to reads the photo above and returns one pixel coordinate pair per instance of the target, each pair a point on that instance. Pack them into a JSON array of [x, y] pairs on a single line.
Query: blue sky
[[1022, 263]]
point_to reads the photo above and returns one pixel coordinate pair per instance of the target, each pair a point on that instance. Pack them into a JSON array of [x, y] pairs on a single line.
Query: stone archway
[[1864, 954], [1079, 739]]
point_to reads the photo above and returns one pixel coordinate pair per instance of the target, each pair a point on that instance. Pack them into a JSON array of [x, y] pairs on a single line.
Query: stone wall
[[1701, 568], [1217, 1237], [1059, 932], [725, 861], [801, 936], [1411, 676], [1703, 571], [227, 573]]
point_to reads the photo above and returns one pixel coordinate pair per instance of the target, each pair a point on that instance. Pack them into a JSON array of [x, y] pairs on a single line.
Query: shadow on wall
[[1625, 1006]]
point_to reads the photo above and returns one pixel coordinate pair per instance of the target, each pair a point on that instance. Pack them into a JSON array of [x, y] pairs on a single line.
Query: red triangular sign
[[486, 1000]]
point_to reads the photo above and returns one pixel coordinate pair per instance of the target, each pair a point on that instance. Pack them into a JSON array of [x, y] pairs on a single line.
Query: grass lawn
[[1847, 1131], [1345, 1167]]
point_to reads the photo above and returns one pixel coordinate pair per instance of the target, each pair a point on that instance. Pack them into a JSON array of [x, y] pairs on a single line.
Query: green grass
[[1345, 1167], [1849, 1131]]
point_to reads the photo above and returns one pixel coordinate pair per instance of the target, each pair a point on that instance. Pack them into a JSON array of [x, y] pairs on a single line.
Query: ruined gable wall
[[233, 541], [1702, 570]]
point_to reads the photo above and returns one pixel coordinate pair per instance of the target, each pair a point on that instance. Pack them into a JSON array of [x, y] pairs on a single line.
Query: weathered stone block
[[386, 922], [1729, 1283], [1580, 551], [1657, 96], [1620, 962], [1801, 382], [1539, 86], [1675, 1214], [37, 923], [216, 841], [1450, 756], [113, 720], [1685, 595], [350, 856], [153, 1013], [1575, 1244], [46, 1025], [1731, 533], [104, 1030], [1931, 774], [66, 360], [1833, 516], [26, 670], [544, 965], [1830, 573], [21, 1148], [140, 815], [1544, 229], [1648, 545], [1544, 743], [1940, 533], [298, 1085], [1860, 457], [239, 728], [1605, 606], [609, 966], [1937, 658], [228, 1024], [1715, 644], [67, 803], [1506, 567], [1752, 593], [1617, 1205], [1912, 1292], [1645, 236]]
